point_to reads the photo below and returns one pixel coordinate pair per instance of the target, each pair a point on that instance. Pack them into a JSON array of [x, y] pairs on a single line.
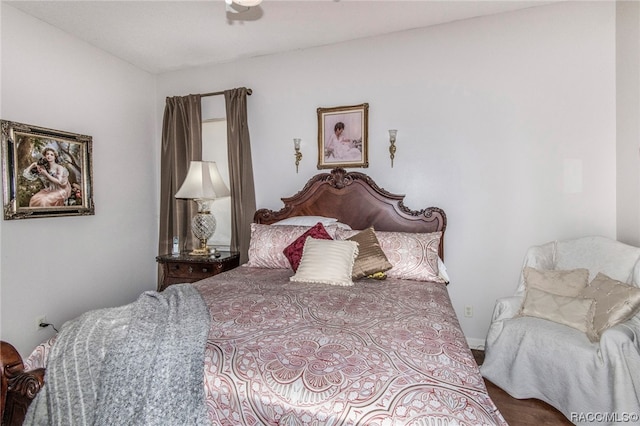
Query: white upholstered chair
[[530, 357]]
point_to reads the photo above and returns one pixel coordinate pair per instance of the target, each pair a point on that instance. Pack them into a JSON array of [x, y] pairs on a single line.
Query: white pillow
[[306, 220], [327, 262], [442, 271], [312, 220]]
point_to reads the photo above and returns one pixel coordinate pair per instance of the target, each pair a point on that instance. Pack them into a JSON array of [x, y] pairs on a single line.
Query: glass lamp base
[[203, 226]]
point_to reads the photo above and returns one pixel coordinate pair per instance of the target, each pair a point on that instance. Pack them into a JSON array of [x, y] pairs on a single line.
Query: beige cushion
[[327, 261], [575, 312], [561, 282], [616, 302], [371, 258]]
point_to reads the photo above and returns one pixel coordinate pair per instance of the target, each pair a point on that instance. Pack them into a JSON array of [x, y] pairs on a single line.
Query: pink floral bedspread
[[378, 353]]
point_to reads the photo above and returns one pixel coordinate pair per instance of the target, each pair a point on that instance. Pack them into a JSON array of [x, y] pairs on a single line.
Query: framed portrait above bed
[[343, 136], [45, 172]]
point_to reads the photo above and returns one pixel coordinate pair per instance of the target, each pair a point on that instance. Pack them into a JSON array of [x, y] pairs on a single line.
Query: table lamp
[[203, 185]]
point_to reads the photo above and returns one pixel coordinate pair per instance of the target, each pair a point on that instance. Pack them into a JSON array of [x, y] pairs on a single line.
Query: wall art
[[45, 172], [343, 136]]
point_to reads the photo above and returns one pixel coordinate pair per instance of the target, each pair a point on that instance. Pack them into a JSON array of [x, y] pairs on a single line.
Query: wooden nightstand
[[187, 269]]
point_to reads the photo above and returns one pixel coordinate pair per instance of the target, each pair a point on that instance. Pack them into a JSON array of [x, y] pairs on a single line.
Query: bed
[[383, 349]]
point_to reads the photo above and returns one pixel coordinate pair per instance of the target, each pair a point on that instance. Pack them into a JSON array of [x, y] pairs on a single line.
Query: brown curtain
[[181, 143], [243, 196]]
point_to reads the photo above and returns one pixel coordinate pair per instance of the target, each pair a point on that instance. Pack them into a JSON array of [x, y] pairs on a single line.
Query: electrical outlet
[[39, 320], [468, 311]]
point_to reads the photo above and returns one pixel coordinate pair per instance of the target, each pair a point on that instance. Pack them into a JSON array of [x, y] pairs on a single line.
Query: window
[[214, 148]]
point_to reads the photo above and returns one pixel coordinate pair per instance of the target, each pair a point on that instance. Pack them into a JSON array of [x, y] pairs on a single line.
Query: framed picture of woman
[[343, 136], [45, 172]]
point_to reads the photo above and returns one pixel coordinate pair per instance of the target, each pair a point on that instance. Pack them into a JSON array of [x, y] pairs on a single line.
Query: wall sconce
[[392, 146], [296, 146]]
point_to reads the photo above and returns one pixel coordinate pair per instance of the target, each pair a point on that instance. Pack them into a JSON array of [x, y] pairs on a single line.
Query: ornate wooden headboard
[[355, 199]]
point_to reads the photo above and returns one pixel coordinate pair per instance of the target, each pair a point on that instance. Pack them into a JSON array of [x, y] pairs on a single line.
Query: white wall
[[628, 122], [507, 122], [61, 267]]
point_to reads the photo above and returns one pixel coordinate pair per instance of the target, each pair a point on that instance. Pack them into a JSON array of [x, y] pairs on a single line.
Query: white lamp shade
[[203, 182]]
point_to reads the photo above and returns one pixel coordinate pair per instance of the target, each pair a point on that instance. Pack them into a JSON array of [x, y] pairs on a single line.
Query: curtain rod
[[249, 91]]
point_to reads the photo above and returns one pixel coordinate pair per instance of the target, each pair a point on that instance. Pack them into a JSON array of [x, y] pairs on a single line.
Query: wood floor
[[522, 412]]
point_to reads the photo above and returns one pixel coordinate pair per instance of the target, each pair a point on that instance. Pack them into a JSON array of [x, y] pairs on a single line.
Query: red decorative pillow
[[293, 251]]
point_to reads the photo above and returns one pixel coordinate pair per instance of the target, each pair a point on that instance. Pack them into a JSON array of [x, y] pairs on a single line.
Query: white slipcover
[[590, 383]]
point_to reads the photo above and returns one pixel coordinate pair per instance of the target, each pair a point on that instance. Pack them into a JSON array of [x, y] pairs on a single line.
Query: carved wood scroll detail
[[19, 387]]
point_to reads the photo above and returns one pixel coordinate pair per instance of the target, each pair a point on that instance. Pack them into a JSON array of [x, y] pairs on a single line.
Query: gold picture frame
[[45, 172], [343, 136]]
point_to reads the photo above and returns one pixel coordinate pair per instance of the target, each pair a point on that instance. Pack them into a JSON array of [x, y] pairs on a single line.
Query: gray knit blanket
[[139, 364]]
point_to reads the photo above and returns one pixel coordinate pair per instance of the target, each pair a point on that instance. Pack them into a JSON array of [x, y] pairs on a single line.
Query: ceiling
[[161, 36]]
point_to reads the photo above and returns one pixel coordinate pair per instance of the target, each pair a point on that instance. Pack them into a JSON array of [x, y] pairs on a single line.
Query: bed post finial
[[19, 387]]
